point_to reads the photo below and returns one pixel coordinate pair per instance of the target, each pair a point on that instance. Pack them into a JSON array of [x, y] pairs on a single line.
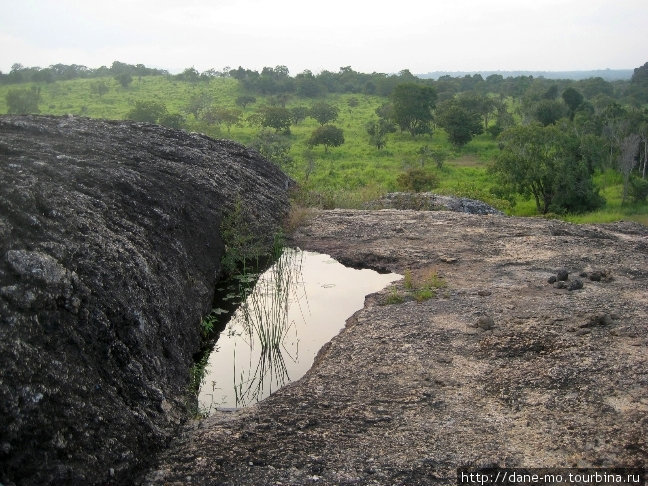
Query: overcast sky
[[376, 35]]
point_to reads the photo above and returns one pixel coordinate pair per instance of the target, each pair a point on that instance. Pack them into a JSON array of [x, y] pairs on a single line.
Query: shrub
[[417, 180], [23, 101], [638, 189]]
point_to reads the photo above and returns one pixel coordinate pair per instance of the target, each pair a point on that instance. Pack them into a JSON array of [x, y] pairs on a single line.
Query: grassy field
[[345, 176]]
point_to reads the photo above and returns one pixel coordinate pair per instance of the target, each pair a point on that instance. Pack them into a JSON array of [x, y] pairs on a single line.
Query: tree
[[23, 101], [215, 115], [460, 124], [298, 114], [548, 112], [628, 159], [573, 99], [544, 162], [480, 104], [639, 84], [327, 135], [147, 111], [172, 120], [324, 112], [190, 75], [99, 88], [229, 116], [197, 103], [412, 106], [308, 85], [245, 100], [276, 117], [274, 147], [125, 79], [427, 153], [378, 130]]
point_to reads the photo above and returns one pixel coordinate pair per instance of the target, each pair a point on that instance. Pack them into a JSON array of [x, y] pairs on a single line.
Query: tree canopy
[[412, 106], [327, 135], [545, 162]]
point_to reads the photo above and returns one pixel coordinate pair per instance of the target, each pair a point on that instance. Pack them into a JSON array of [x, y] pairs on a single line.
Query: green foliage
[[378, 130], [394, 297], [639, 84], [419, 285], [197, 103], [241, 246], [23, 101], [548, 112], [274, 147], [417, 180], [460, 124], [638, 189], [99, 88], [544, 162], [426, 153], [324, 112], [125, 79], [276, 117], [412, 107], [358, 171], [245, 100], [172, 120], [327, 135], [298, 114], [147, 111], [573, 99], [216, 115]]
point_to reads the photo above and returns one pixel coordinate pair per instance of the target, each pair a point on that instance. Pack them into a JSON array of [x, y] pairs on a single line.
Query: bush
[[638, 189], [23, 101], [147, 111], [417, 180], [172, 120]]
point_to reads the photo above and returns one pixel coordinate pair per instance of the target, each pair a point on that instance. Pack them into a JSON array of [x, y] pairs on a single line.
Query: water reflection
[[297, 305]]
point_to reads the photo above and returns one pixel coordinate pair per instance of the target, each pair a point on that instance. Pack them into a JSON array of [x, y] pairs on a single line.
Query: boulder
[[110, 248], [428, 201]]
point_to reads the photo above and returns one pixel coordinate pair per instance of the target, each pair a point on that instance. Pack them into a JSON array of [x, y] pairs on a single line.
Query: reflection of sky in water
[[324, 295]]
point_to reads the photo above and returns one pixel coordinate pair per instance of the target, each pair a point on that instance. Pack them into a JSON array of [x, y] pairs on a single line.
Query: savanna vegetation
[[529, 146]]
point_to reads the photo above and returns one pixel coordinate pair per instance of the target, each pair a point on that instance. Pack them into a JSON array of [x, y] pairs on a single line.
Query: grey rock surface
[[428, 201], [110, 248], [409, 391]]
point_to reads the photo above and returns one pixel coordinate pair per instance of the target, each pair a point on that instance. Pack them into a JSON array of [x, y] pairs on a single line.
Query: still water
[[296, 306]]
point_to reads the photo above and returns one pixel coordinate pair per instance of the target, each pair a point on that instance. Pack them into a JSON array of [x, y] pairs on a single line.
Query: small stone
[[560, 285], [552, 279], [595, 276], [484, 293], [486, 323], [575, 284], [447, 259], [562, 275]]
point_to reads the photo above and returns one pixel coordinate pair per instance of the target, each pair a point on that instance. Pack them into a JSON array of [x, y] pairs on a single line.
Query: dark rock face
[[109, 252]]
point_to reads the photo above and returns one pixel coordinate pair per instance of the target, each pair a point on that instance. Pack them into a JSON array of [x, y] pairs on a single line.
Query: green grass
[[345, 176]]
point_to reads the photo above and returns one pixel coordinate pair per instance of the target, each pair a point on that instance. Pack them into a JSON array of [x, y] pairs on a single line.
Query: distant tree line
[[278, 81], [64, 72]]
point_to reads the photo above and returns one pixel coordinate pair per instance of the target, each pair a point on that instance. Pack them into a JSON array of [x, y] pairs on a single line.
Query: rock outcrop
[[110, 248], [428, 201], [499, 368]]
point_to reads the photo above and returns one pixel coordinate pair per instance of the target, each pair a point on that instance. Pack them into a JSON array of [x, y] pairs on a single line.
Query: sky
[[370, 36]]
